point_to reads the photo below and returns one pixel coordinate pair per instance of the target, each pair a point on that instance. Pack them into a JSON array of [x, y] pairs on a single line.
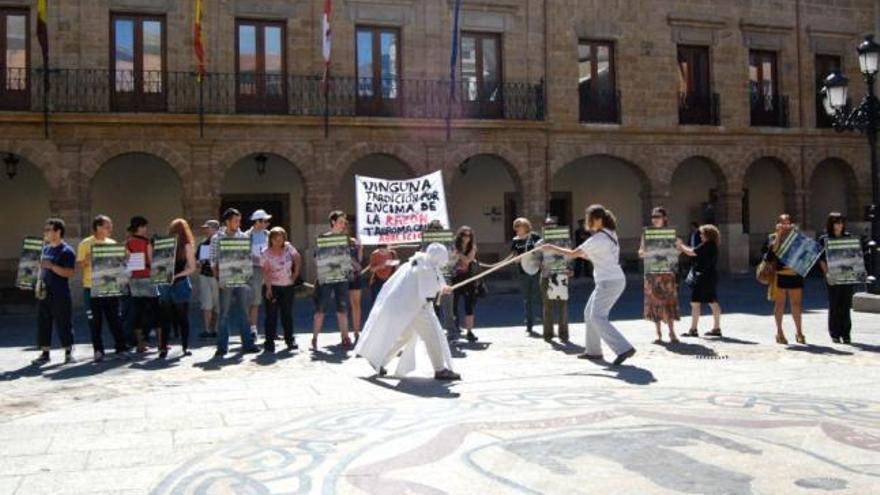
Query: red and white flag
[[327, 40]]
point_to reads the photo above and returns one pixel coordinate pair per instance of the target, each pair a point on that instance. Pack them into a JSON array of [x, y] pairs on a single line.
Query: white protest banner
[[397, 211]]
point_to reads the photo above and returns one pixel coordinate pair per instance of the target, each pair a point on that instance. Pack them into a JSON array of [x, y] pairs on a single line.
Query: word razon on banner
[[397, 211]]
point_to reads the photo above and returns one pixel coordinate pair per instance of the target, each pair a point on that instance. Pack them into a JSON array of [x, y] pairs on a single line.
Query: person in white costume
[[403, 315]]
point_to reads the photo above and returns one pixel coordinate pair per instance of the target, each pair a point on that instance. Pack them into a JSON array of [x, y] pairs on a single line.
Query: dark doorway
[[511, 213], [277, 205], [560, 207]]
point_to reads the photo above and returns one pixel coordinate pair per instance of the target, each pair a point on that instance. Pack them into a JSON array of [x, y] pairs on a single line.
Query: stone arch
[[28, 200], [404, 154], [296, 155], [635, 156], [718, 160], [458, 154], [825, 195], [98, 154], [43, 155], [696, 186], [783, 158]]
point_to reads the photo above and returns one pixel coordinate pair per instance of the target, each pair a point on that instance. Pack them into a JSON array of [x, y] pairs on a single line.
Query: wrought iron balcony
[[100, 91], [769, 110], [699, 109], [600, 108]]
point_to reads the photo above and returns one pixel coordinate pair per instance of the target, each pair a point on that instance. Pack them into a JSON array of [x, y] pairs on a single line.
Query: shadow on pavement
[[688, 349], [625, 373], [473, 346], [567, 347], [731, 340], [28, 371], [88, 368], [157, 363], [216, 363], [418, 387], [336, 355], [818, 349]]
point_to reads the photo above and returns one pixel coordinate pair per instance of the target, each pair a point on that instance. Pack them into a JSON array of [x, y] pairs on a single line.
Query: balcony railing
[[769, 111], [99, 91], [699, 109], [603, 108]]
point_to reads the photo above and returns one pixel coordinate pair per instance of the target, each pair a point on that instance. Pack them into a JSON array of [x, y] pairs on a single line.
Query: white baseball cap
[[260, 215]]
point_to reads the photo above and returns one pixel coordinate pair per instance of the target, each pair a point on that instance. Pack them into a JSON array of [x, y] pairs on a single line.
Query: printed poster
[[29, 263], [846, 261], [109, 274], [398, 211], [661, 256], [235, 263], [799, 252], [447, 238], [164, 255], [333, 259], [556, 264]]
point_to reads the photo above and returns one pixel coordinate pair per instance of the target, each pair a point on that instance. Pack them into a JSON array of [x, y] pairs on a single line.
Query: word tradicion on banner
[[397, 211]]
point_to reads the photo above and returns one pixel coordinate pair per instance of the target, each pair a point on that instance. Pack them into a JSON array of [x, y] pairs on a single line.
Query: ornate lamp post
[[865, 118]]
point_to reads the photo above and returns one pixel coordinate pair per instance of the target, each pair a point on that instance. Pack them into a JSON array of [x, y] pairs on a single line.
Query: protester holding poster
[[703, 278], [466, 267], [142, 290], [58, 262], [230, 257], [787, 283], [174, 297], [397, 211], [555, 271], [334, 264], [843, 264], [660, 256], [99, 308]]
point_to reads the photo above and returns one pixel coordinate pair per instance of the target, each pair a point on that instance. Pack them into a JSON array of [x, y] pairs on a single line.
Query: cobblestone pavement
[[735, 415]]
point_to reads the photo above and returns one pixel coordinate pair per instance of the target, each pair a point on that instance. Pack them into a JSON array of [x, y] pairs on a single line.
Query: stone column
[[734, 250], [201, 200], [534, 184]]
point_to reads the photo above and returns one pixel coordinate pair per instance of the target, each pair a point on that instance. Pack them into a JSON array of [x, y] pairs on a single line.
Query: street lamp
[[261, 160], [11, 162], [865, 119]]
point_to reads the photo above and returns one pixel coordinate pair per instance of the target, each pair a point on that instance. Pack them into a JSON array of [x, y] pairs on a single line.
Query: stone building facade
[[574, 102]]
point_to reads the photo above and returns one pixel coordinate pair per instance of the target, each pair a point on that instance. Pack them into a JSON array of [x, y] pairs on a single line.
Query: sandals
[[800, 338], [780, 339], [715, 332], [691, 333]]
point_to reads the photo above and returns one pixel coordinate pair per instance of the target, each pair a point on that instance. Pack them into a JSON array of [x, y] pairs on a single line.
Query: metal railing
[[699, 109], [769, 110], [101, 91], [603, 108]]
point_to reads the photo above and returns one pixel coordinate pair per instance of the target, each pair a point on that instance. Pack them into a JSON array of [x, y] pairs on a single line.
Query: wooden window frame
[[377, 105], [138, 100], [601, 110], [15, 99], [261, 102]]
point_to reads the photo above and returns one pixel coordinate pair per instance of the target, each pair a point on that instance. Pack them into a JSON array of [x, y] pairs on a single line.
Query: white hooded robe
[[402, 315]]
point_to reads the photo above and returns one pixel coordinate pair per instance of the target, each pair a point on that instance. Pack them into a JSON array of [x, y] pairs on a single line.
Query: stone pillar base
[[864, 302], [734, 249]]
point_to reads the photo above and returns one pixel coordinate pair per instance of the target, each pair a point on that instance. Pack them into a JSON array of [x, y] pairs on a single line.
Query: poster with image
[[447, 238], [555, 264], [397, 211], [164, 253], [799, 252], [109, 274], [29, 263], [846, 262], [333, 259], [235, 263], [661, 256]]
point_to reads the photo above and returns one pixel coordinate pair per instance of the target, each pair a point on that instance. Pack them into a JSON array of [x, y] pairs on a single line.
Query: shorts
[[209, 293], [256, 284], [355, 282], [789, 281], [338, 290]]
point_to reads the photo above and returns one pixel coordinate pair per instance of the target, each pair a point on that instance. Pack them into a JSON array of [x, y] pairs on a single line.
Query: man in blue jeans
[[234, 301]]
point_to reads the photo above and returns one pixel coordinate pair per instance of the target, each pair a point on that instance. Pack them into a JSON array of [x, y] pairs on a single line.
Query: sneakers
[[447, 375], [219, 354], [187, 352], [250, 350], [624, 356], [68, 358], [99, 356], [292, 346], [43, 359], [471, 337], [590, 357]]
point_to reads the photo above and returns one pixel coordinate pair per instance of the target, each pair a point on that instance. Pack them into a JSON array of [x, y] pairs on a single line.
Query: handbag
[[692, 277], [765, 272]]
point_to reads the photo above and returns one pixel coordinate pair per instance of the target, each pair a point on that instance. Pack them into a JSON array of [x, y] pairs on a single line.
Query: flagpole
[[453, 62], [201, 106], [327, 104], [326, 40]]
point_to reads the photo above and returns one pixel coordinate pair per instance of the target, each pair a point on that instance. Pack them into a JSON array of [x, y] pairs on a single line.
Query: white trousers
[[426, 326], [599, 328]]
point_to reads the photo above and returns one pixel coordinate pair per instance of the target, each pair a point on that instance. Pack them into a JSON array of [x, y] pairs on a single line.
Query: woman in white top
[[603, 250]]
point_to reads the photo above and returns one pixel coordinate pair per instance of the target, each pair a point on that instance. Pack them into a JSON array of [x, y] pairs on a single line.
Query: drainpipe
[[546, 79], [800, 103]]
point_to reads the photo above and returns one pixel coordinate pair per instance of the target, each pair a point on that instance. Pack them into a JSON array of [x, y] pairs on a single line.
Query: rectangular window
[[481, 75], [138, 62], [767, 106], [824, 65], [378, 71], [14, 35], [261, 66], [597, 87], [696, 103]]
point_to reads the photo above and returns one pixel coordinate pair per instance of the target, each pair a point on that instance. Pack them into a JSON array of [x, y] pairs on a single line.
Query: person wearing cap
[[143, 291], [404, 314], [209, 294], [259, 234]]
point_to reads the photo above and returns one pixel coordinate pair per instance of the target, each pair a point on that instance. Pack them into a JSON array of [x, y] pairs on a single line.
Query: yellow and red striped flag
[[198, 41], [43, 31]]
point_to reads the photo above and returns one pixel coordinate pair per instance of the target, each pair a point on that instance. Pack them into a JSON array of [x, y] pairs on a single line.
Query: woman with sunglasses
[[466, 267]]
